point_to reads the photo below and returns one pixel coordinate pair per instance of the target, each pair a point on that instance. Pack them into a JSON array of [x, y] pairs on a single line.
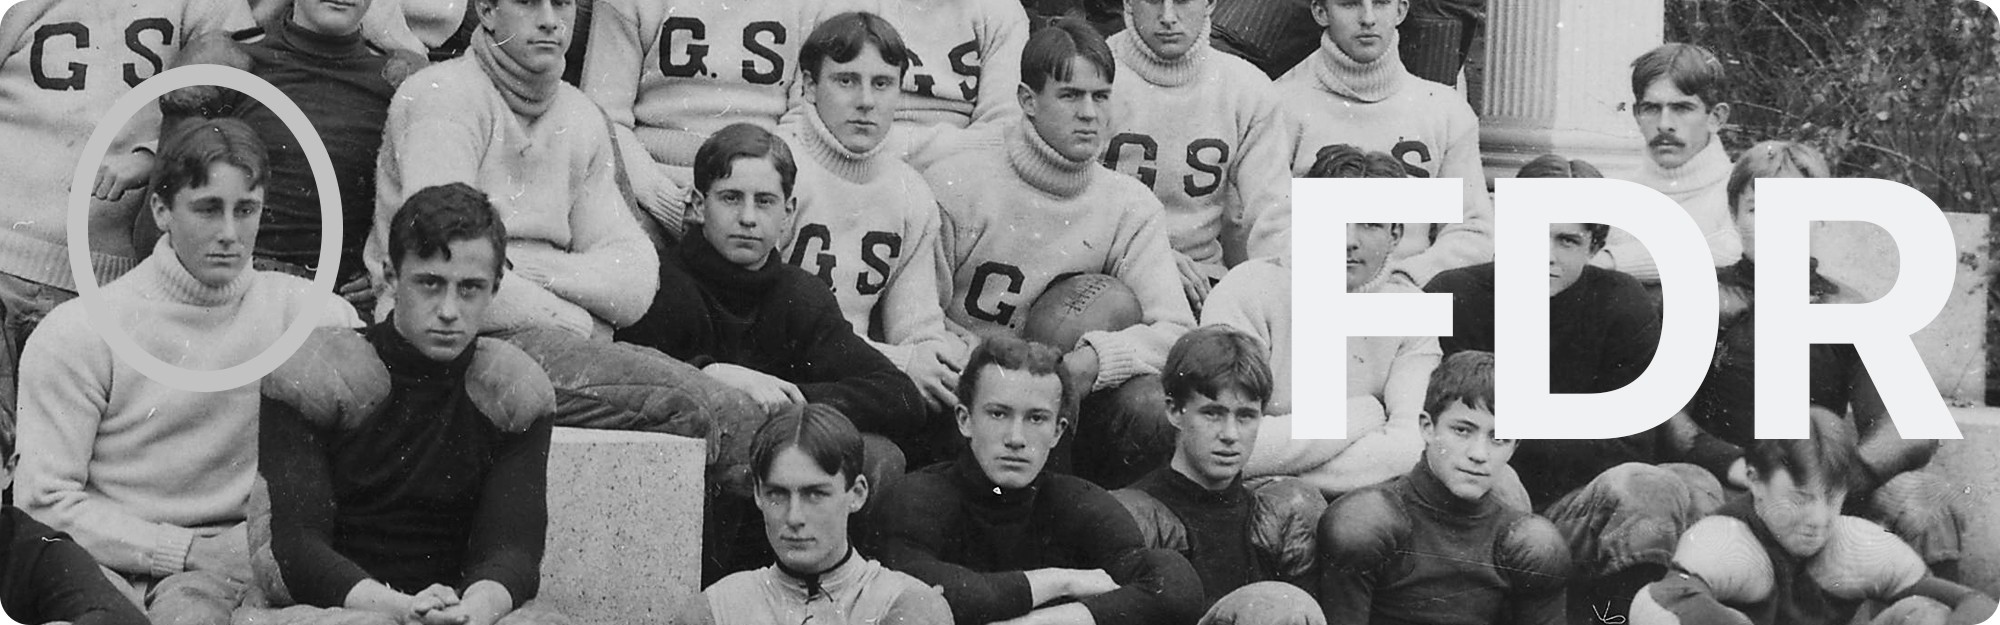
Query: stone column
[[1558, 80]]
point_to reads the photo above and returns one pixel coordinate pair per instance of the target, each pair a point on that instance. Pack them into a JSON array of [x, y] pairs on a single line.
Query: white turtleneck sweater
[[1382, 107], [1018, 215], [133, 468], [858, 590], [868, 226], [1204, 133], [1701, 186]]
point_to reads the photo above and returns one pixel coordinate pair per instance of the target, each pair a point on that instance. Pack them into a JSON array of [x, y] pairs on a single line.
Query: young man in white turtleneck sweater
[[1201, 128], [1355, 90], [149, 478], [1031, 205], [867, 223], [1677, 101]]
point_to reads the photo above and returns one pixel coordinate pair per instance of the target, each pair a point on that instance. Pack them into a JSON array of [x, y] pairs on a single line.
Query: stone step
[[624, 536]]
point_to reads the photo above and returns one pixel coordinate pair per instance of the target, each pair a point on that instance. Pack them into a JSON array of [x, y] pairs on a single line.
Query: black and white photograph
[[980, 312]]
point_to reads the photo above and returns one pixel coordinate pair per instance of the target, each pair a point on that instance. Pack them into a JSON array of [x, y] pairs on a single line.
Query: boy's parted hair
[[1693, 69], [1346, 161], [1013, 354], [819, 431], [1830, 454], [190, 150], [717, 156], [1556, 166], [1049, 53], [1773, 159], [842, 38], [435, 217], [1211, 359], [1465, 377]]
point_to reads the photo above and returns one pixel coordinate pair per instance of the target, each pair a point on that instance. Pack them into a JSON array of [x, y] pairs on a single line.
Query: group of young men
[[814, 234]]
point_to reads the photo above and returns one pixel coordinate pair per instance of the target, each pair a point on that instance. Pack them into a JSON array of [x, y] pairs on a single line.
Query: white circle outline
[[100, 314]]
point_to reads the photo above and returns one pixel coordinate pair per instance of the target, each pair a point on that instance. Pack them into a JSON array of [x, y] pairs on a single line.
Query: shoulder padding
[[335, 380], [508, 386], [1284, 518], [1862, 560], [1726, 554], [1159, 525], [1362, 530], [1532, 555]]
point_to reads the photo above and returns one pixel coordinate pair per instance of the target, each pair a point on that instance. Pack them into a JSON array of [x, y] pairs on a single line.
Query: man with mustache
[[1678, 101], [1250, 542], [1439, 545], [1032, 205], [1355, 90], [1008, 540], [150, 478], [1200, 129], [406, 466]]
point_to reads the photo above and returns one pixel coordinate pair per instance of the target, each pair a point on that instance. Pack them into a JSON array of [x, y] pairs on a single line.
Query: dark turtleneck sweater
[[338, 82], [950, 526], [428, 490], [779, 320], [46, 577], [1218, 530], [1603, 331], [1410, 551]]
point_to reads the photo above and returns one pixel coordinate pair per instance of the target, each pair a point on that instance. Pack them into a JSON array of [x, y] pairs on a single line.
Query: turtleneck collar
[[403, 359], [1132, 51], [824, 583], [316, 44], [849, 165], [1432, 492], [1708, 168], [528, 93], [177, 284], [1042, 166], [738, 288], [1364, 82], [983, 492]]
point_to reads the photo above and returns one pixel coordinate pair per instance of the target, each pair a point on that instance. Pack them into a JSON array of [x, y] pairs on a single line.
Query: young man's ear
[[1320, 13], [160, 211], [1402, 12], [694, 215], [964, 418], [1718, 116], [1026, 97], [1396, 233], [808, 80], [860, 490]]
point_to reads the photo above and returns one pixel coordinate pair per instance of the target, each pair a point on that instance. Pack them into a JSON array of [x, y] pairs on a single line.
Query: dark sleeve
[[840, 369], [60, 580], [509, 526], [672, 321], [1154, 585], [302, 510], [1884, 451], [1634, 334], [1533, 558], [1471, 310], [1712, 453], [1358, 538], [917, 518]]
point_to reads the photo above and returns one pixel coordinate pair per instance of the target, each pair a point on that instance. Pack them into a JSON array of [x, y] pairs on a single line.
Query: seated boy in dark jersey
[[1786, 554], [1437, 545], [807, 466], [1008, 540], [1251, 543], [45, 577], [415, 494], [748, 320]]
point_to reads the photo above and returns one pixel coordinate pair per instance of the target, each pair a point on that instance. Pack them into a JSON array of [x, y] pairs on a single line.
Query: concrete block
[[1973, 464], [624, 538], [1953, 346]]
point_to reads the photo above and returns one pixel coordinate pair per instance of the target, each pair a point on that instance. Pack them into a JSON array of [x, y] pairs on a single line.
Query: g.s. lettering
[[684, 50], [879, 251], [1408, 147], [1206, 158], [144, 37], [965, 64]]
